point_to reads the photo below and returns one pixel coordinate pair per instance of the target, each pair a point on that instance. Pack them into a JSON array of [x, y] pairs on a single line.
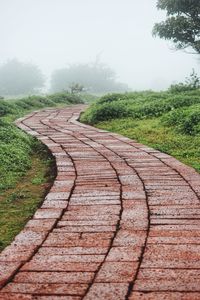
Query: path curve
[[121, 221]]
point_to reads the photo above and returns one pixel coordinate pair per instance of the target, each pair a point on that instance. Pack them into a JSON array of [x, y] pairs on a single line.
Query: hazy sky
[[54, 33]]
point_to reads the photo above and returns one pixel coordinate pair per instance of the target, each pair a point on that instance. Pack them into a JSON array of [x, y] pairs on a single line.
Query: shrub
[[5, 108], [191, 83], [23, 105], [33, 101], [105, 112], [191, 124], [9, 133], [186, 121], [65, 98], [174, 118], [110, 98], [144, 105]]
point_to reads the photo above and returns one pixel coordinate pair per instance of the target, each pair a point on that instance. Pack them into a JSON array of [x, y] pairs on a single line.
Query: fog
[[55, 33]]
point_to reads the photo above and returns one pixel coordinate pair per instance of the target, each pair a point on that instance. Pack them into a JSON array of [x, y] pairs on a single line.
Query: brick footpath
[[121, 221]]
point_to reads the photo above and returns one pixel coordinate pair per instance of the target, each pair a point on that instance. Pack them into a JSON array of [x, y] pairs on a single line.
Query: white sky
[[53, 33]]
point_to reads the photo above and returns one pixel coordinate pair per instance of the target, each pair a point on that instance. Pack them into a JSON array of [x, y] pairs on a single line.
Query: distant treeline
[[18, 78]]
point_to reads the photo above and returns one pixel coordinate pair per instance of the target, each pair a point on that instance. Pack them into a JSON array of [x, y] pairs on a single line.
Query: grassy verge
[[149, 132], [19, 203], [167, 122], [25, 164]]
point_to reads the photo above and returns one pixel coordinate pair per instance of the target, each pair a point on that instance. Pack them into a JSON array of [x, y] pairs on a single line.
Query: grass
[[18, 204], [150, 132], [16, 147], [25, 164], [167, 122]]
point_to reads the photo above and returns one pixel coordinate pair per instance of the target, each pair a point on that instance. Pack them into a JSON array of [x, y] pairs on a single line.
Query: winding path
[[121, 221]]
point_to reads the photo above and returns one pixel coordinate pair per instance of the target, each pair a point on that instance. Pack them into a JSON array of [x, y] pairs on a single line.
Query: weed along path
[[121, 221]]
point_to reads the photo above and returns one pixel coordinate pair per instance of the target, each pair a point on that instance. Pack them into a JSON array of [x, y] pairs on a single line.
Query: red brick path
[[122, 221]]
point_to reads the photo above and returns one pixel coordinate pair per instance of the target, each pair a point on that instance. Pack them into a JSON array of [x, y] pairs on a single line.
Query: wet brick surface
[[121, 221]]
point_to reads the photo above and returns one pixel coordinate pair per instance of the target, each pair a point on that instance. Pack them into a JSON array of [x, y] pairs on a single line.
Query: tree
[[19, 78], [76, 88], [95, 77], [182, 25]]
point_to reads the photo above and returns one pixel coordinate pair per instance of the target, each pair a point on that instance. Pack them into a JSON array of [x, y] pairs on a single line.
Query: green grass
[[19, 203], [25, 163], [16, 147], [167, 122]]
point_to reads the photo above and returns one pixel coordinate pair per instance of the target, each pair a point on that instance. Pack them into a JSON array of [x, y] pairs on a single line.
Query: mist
[[56, 33]]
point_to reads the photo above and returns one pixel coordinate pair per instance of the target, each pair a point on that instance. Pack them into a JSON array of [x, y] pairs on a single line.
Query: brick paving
[[121, 221]]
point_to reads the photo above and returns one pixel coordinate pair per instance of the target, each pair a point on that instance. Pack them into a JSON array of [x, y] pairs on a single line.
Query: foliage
[[166, 121], [191, 83], [182, 25], [66, 97], [18, 204], [186, 121], [89, 98], [17, 78], [95, 77], [106, 111], [5, 108], [76, 88], [111, 97], [138, 105], [16, 147]]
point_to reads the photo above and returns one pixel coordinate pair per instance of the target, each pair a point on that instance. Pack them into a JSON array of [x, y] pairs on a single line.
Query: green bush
[[183, 100], [186, 121], [33, 101], [111, 97], [23, 105], [191, 83], [65, 98], [191, 124], [105, 112], [5, 108], [158, 108], [179, 88], [174, 118], [46, 101], [9, 133], [138, 105], [36, 102]]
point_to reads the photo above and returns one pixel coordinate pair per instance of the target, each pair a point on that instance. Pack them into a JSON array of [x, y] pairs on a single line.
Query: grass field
[[166, 121]]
